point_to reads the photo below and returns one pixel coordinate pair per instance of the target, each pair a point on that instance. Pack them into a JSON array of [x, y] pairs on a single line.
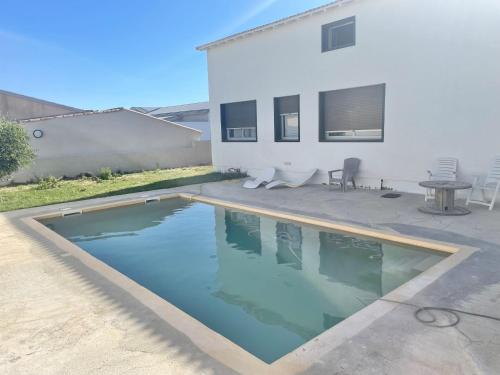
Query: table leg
[[445, 200]]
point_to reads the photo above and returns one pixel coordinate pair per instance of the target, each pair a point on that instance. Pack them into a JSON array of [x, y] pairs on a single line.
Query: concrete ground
[[57, 316]]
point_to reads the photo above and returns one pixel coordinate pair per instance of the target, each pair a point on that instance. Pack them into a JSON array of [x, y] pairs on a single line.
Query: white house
[[120, 139], [193, 115], [394, 83]]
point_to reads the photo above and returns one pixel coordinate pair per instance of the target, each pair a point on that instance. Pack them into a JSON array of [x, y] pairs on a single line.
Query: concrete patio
[[57, 316]]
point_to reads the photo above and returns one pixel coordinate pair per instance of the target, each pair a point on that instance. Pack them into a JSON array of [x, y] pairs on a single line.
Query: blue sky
[[97, 54]]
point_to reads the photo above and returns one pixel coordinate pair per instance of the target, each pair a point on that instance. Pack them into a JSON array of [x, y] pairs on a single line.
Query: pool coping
[[221, 348]]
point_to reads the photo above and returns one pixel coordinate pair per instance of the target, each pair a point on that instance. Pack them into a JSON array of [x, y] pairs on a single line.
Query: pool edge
[[221, 348], [372, 233]]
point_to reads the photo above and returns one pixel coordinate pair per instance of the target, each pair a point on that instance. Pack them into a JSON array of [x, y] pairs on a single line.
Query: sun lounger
[[265, 176], [292, 183]]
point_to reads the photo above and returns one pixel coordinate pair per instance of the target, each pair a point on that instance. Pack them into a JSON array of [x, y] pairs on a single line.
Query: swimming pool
[[269, 285]]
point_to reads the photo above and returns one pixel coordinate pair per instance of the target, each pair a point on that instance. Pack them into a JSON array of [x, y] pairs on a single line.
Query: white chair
[[295, 183], [265, 176], [446, 171], [490, 184]]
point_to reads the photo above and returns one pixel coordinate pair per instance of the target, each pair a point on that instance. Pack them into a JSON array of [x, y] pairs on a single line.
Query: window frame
[[321, 128], [326, 32], [278, 120], [223, 127]]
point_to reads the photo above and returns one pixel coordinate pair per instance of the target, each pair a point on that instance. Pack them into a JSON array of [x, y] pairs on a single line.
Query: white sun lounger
[[292, 183], [263, 177]]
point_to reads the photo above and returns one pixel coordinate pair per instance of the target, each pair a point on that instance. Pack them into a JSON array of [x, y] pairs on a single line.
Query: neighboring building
[[20, 107], [121, 139], [195, 115], [395, 83]]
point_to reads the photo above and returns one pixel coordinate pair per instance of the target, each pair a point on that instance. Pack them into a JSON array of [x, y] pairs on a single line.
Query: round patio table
[[444, 202]]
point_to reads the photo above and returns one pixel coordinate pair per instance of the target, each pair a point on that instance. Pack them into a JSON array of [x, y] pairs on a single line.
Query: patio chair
[[446, 171], [350, 170], [490, 184], [295, 183], [265, 176]]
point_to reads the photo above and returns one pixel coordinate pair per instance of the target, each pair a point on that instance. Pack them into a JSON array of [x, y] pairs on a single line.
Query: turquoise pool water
[[267, 285]]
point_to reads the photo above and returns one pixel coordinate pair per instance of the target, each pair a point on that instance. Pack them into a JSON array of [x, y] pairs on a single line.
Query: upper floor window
[[355, 114], [239, 121], [339, 34], [287, 119]]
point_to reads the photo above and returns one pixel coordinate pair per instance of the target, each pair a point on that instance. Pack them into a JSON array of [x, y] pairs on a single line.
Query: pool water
[[267, 285]]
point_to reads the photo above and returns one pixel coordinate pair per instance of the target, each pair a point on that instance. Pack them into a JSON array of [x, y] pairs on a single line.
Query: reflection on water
[[116, 222], [361, 269], [289, 245], [267, 285], [243, 231]]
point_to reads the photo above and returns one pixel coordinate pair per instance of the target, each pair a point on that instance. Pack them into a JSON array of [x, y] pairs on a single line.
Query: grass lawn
[[30, 195]]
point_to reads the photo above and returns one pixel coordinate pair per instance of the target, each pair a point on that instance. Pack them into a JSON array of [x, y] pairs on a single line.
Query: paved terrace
[[59, 317]]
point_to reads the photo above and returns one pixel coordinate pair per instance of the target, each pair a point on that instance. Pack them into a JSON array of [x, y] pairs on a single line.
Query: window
[[355, 114], [338, 34], [287, 119], [239, 121]]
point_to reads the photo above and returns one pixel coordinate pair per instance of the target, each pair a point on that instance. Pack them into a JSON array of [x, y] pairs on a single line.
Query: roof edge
[[42, 101], [274, 24], [160, 119], [73, 114], [118, 109]]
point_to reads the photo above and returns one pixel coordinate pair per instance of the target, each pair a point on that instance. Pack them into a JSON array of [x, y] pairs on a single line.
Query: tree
[[15, 149]]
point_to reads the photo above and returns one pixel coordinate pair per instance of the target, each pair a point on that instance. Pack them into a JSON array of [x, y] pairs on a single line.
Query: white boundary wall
[[121, 140]]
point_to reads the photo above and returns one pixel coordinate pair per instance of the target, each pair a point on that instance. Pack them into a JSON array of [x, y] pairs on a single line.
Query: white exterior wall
[[120, 140], [439, 59]]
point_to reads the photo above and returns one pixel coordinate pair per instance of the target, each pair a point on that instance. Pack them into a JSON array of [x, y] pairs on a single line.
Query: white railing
[[242, 134], [354, 134]]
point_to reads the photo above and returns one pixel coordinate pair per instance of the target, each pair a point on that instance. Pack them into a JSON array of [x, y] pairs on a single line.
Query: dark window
[[287, 119], [339, 34], [355, 114], [239, 121]]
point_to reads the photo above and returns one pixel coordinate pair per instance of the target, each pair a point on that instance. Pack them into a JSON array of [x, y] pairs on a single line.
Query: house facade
[[394, 83]]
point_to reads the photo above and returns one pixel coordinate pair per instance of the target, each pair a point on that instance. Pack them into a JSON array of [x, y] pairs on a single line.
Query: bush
[[48, 183], [15, 149], [105, 174]]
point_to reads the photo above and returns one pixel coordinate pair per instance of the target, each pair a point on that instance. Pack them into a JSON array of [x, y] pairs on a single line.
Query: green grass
[[33, 195]]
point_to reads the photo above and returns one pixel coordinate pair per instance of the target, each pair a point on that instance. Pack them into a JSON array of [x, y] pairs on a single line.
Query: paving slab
[[58, 316]]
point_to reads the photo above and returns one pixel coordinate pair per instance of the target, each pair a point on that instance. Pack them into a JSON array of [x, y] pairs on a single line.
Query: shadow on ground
[[166, 337], [167, 184]]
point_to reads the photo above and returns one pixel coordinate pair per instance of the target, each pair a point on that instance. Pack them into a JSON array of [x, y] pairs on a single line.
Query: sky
[[98, 54]]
